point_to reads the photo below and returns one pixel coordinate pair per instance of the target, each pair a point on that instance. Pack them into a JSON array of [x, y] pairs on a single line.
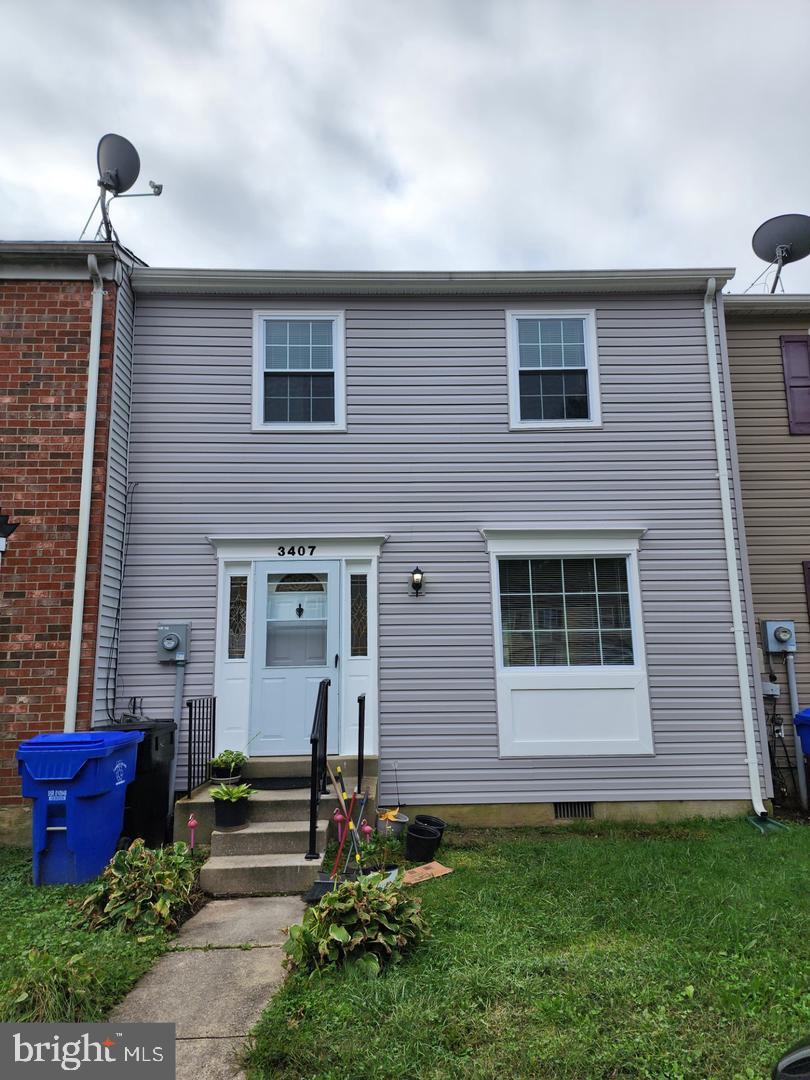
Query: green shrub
[[360, 921], [144, 889], [381, 851], [51, 988], [231, 792]]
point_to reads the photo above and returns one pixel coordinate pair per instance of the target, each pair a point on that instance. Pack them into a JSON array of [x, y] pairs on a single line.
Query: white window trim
[[339, 370], [559, 543], [591, 366]]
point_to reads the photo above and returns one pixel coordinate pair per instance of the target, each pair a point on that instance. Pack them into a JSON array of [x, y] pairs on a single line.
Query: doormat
[[279, 783]]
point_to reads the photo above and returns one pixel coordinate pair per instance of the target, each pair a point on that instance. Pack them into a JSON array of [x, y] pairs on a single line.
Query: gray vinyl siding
[[774, 472], [428, 460], [116, 496]]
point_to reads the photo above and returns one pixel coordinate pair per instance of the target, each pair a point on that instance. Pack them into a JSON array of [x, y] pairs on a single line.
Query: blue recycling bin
[[78, 781], [802, 723]]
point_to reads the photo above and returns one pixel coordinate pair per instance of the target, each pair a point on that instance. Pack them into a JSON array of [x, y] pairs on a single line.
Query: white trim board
[[571, 711], [350, 546]]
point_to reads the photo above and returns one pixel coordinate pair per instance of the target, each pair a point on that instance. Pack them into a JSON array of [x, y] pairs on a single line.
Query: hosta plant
[[360, 922], [231, 792], [144, 889]]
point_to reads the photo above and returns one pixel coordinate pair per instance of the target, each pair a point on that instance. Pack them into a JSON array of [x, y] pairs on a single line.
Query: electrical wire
[[756, 279], [84, 230]]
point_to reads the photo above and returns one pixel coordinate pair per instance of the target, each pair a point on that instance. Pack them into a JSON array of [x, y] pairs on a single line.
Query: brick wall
[[44, 346]]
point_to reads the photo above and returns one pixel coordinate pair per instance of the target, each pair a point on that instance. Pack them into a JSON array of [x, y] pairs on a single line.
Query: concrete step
[[258, 875], [289, 805], [267, 838], [300, 766]]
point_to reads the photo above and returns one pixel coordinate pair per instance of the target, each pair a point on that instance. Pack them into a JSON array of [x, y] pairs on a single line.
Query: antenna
[[118, 168], [782, 240]]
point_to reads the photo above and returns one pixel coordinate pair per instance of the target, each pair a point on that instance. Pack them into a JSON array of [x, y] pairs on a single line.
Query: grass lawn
[[671, 951], [80, 974]]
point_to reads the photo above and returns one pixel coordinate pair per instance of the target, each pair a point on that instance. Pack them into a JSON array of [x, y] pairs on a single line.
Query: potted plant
[[391, 822], [227, 766], [381, 854], [231, 804]]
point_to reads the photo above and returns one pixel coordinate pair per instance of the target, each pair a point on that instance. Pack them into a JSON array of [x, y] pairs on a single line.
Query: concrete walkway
[[215, 988]]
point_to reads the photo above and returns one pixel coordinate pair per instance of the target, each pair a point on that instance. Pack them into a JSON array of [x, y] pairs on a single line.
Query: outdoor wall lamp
[[417, 576]]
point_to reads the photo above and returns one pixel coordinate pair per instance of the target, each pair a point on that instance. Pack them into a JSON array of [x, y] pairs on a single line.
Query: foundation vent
[[572, 811]]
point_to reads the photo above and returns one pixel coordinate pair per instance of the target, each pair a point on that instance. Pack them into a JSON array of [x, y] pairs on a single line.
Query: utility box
[[172, 642], [779, 636]]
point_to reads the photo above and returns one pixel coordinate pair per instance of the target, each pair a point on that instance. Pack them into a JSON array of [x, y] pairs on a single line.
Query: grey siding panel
[[116, 499], [774, 471], [428, 459]]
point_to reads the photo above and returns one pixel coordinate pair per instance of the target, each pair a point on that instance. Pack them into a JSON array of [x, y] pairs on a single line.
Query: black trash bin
[[147, 811]]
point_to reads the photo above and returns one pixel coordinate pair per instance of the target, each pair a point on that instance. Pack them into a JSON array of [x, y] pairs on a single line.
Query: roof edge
[[29, 260], [765, 305], [405, 283]]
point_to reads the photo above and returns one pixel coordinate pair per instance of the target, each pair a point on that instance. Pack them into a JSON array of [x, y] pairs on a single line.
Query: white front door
[[296, 631]]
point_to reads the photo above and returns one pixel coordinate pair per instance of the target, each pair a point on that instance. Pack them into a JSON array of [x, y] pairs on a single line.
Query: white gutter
[[85, 498], [418, 283], [731, 554]]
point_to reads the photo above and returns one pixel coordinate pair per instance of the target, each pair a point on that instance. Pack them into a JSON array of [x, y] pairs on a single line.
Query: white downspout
[[85, 498], [731, 554]]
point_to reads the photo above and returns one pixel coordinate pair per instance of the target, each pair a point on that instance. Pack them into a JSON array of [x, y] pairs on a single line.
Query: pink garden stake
[[192, 828], [339, 819], [366, 830]]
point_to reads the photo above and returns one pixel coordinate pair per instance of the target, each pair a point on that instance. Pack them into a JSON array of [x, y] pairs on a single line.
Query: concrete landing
[[213, 987]]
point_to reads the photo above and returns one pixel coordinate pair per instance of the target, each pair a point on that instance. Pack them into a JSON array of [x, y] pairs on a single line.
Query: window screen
[[299, 378], [296, 620], [553, 375], [565, 612]]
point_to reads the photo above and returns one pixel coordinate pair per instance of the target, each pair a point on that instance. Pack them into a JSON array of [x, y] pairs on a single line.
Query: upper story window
[[298, 382], [553, 373]]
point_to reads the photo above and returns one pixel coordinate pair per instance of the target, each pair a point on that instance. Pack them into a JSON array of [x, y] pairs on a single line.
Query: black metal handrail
[[202, 718], [361, 739], [317, 775]]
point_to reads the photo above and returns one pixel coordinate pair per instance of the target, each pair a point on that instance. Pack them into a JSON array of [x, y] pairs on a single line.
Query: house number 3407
[[301, 549]]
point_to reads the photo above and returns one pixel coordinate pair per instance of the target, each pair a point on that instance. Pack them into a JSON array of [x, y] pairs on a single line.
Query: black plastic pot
[[421, 842], [433, 822], [230, 815]]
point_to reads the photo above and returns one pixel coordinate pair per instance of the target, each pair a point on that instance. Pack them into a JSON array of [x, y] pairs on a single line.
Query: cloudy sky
[[414, 134]]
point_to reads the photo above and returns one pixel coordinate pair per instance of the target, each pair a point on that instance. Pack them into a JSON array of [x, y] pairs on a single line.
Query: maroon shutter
[[796, 362]]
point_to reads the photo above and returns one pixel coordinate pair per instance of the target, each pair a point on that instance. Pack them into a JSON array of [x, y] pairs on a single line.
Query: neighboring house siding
[[428, 459], [775, 476], [116, 504]]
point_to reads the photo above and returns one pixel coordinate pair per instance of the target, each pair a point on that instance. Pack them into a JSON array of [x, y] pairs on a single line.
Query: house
[[770, 375], [550, 450], [65, 324]]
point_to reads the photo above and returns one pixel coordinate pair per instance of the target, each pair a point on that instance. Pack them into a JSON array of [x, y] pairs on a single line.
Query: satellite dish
[[118, 163], [782, 240]]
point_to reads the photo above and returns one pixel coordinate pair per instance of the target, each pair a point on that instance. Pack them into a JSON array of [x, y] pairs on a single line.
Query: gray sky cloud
[[432, 134]]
